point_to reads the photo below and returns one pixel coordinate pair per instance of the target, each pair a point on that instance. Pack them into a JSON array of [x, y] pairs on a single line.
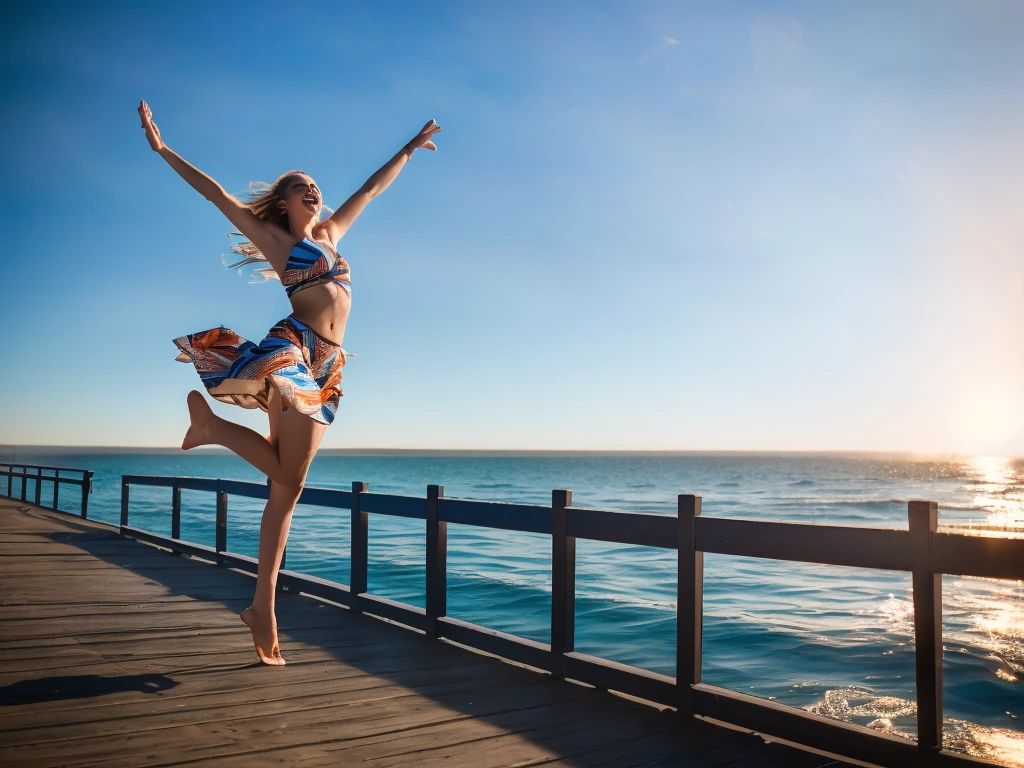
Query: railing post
[[563, 583], [176, 514], [39, 485], [86, 489], [437, 561], [222, 524], [358, 547], [10, 480], [924, 521], [56, 486], [689, 601], [124, 503], [24, 482]]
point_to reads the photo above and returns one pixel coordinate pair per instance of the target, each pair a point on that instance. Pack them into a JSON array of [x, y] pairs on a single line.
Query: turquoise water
[[837, 641]]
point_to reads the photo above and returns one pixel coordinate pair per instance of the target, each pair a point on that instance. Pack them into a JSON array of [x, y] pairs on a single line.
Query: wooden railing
[[22, 471], [921, 550]]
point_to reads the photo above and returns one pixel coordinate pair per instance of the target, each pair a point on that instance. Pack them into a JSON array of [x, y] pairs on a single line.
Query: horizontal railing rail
[[921, 550], [34, 472]]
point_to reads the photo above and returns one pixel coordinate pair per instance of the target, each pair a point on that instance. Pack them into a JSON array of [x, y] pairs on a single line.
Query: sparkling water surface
[[836, 641]]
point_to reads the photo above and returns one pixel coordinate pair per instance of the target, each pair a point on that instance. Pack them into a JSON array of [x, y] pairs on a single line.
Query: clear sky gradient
[[650, 225]]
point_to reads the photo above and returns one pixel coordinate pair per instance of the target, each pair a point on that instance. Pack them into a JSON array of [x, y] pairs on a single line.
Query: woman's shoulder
[[321, 239]]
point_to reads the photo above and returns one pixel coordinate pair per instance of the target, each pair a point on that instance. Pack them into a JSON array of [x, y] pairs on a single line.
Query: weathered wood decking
[[116, 653]]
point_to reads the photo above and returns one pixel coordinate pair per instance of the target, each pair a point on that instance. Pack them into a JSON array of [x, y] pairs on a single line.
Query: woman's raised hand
[[423, 137], [152, 132]]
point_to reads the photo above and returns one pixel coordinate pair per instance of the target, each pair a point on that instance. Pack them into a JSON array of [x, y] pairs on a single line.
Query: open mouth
[[311, 201]]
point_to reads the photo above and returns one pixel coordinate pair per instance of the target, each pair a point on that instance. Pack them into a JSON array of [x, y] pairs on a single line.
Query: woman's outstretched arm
[[260, 233], [336, 226]]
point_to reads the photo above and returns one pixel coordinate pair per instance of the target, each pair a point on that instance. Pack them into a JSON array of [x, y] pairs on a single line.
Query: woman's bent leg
[[207, 428], [297, 438]]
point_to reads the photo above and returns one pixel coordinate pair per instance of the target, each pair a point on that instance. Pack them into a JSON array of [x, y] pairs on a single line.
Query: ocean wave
[[898, 717]]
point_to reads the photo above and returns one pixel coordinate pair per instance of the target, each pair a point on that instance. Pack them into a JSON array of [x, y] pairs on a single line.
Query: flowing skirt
[[303, 366]]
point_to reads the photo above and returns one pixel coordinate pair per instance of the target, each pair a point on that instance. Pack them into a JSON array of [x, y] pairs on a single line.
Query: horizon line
[[513, 452]]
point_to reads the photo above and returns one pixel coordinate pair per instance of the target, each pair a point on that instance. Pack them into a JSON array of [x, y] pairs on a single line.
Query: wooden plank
[[499, 643], [690, 600], [491, 514], [86, 490], [39, 466], [326, 497], [803, 543], [125, 499], [437, 562], [409, 615], [188, 483], [294, 581], [25, 476], [636, 528], [613, 676], [393, 505], [78, 562], [246, 488], [243, 562], [520, 737], [186, 742], [985, 556], [175, 545], [927, 585], [221, 525], [358, 547], [563, 583], [176, 512]]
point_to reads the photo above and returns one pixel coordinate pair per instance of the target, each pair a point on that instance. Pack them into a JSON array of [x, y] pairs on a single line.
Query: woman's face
[[302, 198]]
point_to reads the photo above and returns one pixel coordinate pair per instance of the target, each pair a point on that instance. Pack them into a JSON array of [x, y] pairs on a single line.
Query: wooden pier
[[116, 653], [147, 628]]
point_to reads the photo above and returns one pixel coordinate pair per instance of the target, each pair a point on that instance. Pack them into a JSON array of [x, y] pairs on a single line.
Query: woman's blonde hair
[[265, 198], [264, 202]]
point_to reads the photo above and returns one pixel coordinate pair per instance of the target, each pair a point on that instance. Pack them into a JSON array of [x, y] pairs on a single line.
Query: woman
[[294, 374]]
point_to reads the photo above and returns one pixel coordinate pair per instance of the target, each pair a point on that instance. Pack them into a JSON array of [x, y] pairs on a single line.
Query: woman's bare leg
[[207, 428], [297, 438]]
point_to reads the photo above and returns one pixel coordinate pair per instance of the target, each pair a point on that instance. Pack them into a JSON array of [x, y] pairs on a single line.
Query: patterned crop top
[[310, 264]]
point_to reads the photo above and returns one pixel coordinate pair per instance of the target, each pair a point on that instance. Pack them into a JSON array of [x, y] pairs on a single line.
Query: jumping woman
[[294, 374]]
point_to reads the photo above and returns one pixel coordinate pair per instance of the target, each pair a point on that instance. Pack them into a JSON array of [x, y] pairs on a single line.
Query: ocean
[[833, 640]]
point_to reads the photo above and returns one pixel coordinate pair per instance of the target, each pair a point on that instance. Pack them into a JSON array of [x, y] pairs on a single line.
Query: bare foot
[[201, 416], [264, 637]]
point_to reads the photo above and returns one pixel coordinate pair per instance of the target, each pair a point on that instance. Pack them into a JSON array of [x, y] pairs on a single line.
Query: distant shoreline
[[493, 453]]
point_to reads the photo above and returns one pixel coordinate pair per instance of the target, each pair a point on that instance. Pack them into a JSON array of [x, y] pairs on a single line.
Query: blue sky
[[665, 225]]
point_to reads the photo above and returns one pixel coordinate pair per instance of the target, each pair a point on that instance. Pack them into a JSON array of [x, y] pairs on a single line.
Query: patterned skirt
[[303, 365]]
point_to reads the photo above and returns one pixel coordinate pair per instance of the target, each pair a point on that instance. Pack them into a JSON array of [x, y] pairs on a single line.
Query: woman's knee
[[293, 476], [289, 483]]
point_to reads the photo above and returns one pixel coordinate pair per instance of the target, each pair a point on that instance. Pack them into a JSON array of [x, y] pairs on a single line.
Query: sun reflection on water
[[1001, 493]]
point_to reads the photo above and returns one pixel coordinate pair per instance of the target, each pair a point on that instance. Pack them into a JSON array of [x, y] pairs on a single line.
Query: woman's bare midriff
[[324, 308]]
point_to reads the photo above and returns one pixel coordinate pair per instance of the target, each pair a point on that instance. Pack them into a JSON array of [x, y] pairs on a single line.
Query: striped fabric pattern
[[304, 367], [309, 264]]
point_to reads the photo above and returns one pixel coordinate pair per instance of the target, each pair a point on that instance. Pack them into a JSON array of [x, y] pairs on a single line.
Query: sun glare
[[1001, 492]]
